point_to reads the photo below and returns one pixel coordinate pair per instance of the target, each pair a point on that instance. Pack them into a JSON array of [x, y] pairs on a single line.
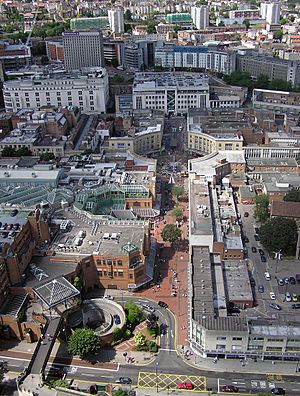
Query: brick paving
[[173, 259]]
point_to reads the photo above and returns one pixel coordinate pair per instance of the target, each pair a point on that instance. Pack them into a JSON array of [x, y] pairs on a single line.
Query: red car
[[229, 388], [185, 385]]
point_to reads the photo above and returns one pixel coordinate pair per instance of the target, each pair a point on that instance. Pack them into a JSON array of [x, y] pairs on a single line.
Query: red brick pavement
[[177, 260]]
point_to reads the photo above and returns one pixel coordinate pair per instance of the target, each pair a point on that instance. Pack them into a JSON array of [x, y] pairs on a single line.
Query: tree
[[139, 340], [83, 342], [119, 392], [128, 15], [242, 79], [261, 210], [279, 233], [47, 157], [135, 314], [278, 35], [177, 213], [262, 81], [117, 334], [171, 233], [177, 191], [3, 370], [8, 152], [292, 196], [151, 27], [280, 85], [24, 152], [246, 22]]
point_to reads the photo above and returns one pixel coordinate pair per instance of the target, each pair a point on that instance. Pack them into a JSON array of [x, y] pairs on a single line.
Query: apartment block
[[89, 91]]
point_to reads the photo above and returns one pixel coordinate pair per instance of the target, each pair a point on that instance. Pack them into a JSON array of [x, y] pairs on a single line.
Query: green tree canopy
[[127, 15], [47, 156], [171, 233], [151, 27], [177, 191], [279, 233], [117, 334], [280, 85], [135, 314], [292, 196], [139, 339], [177, 213], [262, 81], [261, 211], [278, 35], [83, 342], [246, 22]]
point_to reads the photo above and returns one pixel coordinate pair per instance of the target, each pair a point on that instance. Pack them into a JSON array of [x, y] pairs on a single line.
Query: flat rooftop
[[237, 281], [169, 80], [200, 210], [107, 238], [272, 162]]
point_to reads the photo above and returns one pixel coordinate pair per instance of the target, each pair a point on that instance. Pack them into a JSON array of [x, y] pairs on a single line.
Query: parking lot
[[278, 269]]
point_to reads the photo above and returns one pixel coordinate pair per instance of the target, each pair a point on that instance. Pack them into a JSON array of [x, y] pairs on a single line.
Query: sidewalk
[[107, 359], [249, 366]]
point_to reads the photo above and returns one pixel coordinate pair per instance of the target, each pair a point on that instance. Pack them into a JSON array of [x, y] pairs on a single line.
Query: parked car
[[292, 280], [185, 385], [261, 252], [229, 388], [14, 212], [267, 276], [272, 295], [246, 239], [253, 249], [294, 297], [278, 391], [256, 237], [286, 280], [246, 214], [109, 297], [117, 319], [124, 380], [261, 288], [295, 306], [281, 282], [256, 229], [263, 259], [275, 306], [162, 304], [288, 297]]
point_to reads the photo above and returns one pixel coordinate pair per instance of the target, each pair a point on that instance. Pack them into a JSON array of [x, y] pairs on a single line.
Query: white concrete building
[[88, 90], [270, 12], [171, 92], [83, 49], [116, 20], [200, 16]]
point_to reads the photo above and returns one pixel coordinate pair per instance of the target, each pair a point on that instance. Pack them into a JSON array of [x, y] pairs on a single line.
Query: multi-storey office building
[[200, 16], [116, 20], [172, 93], [200, 57], [83, 49], [274, 68], [87, 90]]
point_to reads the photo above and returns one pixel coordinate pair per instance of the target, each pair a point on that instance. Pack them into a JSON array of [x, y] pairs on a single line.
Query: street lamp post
[[278, 256], [156, 377]]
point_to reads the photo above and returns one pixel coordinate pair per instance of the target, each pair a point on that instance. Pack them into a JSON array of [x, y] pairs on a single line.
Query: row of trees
[[243, 79]]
